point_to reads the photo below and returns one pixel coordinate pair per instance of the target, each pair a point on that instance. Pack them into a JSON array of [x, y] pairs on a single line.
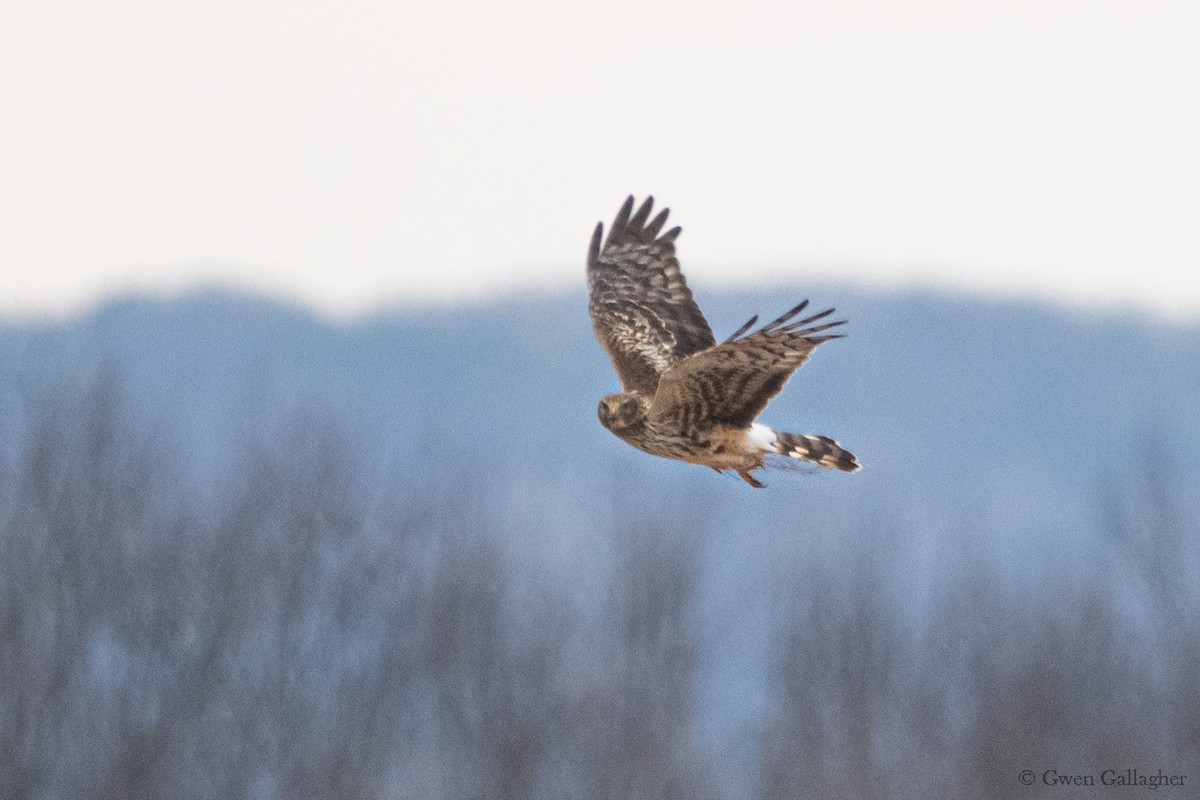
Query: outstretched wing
[[642, 310], [731, 384]]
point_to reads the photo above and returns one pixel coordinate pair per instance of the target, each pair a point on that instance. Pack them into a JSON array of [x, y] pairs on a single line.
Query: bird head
[[622, 412]]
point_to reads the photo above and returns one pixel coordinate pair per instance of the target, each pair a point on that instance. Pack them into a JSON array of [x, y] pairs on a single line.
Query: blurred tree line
[[308, 630]]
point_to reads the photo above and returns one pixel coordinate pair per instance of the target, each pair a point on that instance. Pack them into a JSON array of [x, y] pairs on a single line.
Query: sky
[[358, 155]]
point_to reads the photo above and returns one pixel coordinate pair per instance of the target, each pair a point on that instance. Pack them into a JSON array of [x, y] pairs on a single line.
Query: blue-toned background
[[248, 553]]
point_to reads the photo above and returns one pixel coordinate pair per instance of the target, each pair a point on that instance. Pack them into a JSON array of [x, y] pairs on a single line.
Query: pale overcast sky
[[357, 154]]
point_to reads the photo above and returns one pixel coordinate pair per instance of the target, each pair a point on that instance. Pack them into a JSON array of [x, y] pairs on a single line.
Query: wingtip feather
[[594, 247], [623, 215], [749, 324], [638, 223], [777, 323], [656, 224]]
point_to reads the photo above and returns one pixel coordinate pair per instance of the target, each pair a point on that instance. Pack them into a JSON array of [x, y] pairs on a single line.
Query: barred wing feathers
[[730, 384], [642, 310]]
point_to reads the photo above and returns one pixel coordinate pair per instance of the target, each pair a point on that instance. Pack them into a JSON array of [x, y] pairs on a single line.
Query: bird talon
[[750, 479]]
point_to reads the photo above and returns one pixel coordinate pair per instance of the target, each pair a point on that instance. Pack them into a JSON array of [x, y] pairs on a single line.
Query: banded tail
[[818, 449]]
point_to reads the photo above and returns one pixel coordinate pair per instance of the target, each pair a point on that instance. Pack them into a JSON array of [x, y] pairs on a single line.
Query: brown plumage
[[685, 396]]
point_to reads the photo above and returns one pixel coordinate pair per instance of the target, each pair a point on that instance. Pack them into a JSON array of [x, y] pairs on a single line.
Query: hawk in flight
[[687, 397]]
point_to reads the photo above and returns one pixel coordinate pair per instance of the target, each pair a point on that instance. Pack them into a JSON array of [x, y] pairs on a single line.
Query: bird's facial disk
[[620, 411]]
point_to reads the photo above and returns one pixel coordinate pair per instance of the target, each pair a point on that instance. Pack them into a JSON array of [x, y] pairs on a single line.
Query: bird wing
[[731, 383], [642, 310]]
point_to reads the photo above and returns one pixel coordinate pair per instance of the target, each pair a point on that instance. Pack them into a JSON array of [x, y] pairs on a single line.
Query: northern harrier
[[687, 397]]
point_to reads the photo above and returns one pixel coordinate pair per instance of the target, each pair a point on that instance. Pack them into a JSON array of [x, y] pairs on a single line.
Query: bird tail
[[820, 450]]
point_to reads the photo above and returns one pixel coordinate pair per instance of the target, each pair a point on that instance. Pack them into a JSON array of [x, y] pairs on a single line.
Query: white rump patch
[[761, 437]]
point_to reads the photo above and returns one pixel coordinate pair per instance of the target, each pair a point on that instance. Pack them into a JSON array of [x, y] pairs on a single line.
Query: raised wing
[[642, 310], [731, 384]]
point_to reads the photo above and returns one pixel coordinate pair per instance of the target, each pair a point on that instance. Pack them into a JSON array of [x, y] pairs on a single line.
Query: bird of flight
[[685, 396]]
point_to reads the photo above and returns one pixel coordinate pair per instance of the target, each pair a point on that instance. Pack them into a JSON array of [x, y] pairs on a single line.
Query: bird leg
[[750, 479]]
